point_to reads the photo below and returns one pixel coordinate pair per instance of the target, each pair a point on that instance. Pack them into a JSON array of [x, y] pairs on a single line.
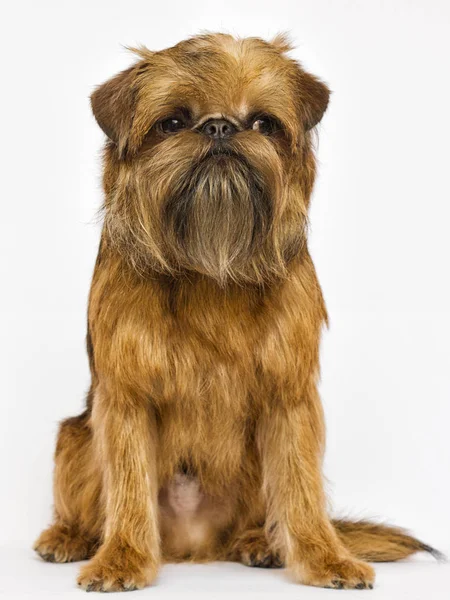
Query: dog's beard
[[190, 209], [218, 216]]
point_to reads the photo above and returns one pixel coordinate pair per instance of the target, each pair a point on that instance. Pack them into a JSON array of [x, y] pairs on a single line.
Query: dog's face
[[209, 164]]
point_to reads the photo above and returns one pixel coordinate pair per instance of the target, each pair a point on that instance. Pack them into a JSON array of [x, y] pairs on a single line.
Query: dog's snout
[[218, 128]]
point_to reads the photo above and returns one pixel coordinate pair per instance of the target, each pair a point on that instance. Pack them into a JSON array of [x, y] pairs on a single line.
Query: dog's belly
[[190, 519], [205, 435]]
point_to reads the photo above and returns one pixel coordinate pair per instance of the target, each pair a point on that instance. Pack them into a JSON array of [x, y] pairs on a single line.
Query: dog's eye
[[265, 124], [172, 125]]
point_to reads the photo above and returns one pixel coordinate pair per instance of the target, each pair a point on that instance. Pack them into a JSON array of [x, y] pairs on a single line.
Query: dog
[[203, 433]]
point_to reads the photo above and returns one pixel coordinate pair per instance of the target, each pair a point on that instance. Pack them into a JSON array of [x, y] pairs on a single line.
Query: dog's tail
[[380, 543]]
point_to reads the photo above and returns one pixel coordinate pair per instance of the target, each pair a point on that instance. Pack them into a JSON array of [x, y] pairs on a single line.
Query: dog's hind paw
[[60, 543]]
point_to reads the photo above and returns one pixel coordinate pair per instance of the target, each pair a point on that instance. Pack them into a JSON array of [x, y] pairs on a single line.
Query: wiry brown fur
[[203, 434]]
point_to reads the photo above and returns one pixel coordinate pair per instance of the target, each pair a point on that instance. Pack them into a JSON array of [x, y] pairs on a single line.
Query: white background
[[379, 238]]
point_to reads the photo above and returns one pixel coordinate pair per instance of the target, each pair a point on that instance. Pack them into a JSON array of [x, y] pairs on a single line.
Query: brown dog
[[203, 433]]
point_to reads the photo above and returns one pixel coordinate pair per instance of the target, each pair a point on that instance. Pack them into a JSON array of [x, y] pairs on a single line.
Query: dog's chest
[[207, 349], [207, 346], [209, 383]]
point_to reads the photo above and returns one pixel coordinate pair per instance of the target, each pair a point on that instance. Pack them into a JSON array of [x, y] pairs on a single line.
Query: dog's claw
[[48, 557]]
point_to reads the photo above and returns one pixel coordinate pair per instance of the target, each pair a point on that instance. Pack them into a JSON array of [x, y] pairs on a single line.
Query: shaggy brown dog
[[203, 433]]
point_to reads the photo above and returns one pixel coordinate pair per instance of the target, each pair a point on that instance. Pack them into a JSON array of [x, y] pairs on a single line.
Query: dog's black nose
[[218, 128]]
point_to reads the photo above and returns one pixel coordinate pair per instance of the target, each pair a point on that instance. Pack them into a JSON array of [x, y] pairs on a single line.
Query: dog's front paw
[[348, 573], [117, 571]]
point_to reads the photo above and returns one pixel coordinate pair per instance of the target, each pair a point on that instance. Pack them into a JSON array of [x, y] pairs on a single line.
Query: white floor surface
[[24, 575]]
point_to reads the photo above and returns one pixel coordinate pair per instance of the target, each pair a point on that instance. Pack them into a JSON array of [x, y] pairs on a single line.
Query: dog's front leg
[[125, 437], [291, 445]]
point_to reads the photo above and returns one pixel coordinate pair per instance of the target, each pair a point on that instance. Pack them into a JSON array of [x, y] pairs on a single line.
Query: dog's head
[[209, 166]]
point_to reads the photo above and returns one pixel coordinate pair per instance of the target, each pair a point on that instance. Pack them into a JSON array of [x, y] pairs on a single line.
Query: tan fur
[[204, 434]]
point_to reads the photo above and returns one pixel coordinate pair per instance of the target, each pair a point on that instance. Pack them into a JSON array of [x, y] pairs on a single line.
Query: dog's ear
[[313, 96], [114, 104]]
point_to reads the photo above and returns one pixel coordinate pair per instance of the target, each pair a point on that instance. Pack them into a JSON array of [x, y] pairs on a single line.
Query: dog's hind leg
[[76, 530], [251, 548]]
